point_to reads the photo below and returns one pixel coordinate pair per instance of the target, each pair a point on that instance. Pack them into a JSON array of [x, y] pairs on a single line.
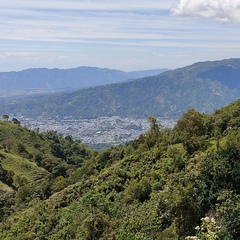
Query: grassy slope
[[32, 156], [22, 167]]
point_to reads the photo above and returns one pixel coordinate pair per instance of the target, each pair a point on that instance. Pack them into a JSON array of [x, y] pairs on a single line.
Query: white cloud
[[225, 11]]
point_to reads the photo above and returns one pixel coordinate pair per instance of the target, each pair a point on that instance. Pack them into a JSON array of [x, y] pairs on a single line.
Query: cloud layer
[[225, 11], [78, 21], [125, 34]]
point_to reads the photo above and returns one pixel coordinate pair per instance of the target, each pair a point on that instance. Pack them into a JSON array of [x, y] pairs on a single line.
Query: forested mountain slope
[[203, 86], [160, 186]]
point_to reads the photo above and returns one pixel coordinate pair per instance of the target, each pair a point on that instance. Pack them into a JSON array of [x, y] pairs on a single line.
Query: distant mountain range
[[42, 80], [204, 86]]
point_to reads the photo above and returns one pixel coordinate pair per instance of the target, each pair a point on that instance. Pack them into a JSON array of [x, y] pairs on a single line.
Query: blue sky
[[118, 34]]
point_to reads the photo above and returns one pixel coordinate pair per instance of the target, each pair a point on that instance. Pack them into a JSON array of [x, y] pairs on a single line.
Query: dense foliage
[[179, 183]]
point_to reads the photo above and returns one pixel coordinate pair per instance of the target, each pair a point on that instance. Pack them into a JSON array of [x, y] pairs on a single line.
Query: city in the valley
[[105, 130]]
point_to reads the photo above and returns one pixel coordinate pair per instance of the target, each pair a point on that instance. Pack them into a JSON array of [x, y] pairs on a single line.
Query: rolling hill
[[204, 86]]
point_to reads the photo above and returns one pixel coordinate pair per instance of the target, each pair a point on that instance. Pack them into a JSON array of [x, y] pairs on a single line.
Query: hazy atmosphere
[[126, 35], [119, 119]]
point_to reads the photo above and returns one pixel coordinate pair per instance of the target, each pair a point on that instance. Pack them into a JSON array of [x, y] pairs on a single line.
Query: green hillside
[[36, 165], [181, 183]]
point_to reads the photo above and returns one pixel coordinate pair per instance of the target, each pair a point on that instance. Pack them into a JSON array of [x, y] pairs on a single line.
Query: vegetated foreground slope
[[203, 86], [160, 186]]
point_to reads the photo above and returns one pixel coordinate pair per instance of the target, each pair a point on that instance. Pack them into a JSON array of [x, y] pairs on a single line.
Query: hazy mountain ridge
[[63, 79], [166, 95]]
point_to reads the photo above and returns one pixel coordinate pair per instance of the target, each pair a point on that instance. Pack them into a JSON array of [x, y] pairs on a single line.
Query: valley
[[120, 120], [116, 111], [96, 133], [136, 160]]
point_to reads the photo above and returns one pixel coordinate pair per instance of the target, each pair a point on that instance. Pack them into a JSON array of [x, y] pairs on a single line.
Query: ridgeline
[[204, 86]]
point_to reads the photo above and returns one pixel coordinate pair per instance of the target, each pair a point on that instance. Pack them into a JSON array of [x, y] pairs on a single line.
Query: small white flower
[[206, 219], [213, 220], [197, 228]]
